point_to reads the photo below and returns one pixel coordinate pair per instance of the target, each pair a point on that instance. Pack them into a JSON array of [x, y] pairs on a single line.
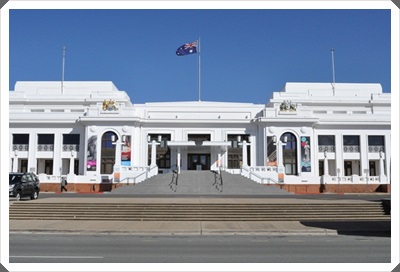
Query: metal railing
[[269, 179], [173, 185], [218, 181], [261, 179], [127, 179]]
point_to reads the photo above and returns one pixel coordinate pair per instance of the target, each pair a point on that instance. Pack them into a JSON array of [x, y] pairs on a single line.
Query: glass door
[[198, 161]]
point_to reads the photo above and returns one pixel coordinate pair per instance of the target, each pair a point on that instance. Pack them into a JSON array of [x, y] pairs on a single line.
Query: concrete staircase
[[117, 209], [200, 183]]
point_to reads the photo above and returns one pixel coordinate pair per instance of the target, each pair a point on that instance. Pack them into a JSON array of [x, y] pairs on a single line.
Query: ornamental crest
[[287, 105], [109, 105]]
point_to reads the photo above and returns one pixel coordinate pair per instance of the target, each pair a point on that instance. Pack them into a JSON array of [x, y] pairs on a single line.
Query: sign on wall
[[91, 161], [305, 154]]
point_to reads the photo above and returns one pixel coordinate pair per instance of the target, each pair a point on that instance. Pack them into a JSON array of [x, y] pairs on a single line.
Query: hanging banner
[[91, 154], [305, 154], [126, 152]]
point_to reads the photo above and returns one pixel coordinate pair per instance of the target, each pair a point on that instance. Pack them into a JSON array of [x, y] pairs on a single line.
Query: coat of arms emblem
[[109, 105]]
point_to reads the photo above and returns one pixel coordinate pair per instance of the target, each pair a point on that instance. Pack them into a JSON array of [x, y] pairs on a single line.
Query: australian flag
[[187, 48]]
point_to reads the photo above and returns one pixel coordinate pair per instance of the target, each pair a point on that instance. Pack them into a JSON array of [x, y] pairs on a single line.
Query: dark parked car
[[24, 184]]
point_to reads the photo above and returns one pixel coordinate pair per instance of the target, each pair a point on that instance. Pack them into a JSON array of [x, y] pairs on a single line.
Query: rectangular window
[[21, 139], [48, 167], [71, 139], [376, 144], [71, 142], [351, 140], [351, 143], [45, 139], [321, 167], [376, 140], [199, 137], [326, 140], [23, 166], [45, 142], [326, 143]]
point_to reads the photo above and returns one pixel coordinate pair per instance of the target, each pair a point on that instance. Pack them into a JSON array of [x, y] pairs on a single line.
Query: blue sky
[[245, 54]]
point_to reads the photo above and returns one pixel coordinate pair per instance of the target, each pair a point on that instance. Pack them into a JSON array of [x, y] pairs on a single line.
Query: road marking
[[60, 257], [296, 241]]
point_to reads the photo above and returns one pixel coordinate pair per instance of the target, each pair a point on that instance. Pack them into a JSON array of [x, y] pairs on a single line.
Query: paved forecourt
[[195, 227], [192, 188]]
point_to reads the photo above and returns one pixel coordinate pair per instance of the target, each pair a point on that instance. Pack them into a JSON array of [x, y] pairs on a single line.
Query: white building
[[308, 138]]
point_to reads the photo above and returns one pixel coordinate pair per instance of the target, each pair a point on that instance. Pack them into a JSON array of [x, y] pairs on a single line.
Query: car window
[[15, 178], [29, 178], [35, 178]]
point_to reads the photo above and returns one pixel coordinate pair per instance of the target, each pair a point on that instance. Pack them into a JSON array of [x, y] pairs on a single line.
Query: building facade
[[308, 138]]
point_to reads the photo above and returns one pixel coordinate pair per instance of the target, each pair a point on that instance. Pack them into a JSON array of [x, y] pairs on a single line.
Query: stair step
[[326, 211]]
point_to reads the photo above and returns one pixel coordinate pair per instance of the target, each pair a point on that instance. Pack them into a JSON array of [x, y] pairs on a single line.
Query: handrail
[[127, 178], [264, 178], [148, 169], [173, 185], [218, 182], [260, 177]]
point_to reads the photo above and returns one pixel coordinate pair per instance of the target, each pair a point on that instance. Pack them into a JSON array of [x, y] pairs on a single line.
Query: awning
[[198, 143]]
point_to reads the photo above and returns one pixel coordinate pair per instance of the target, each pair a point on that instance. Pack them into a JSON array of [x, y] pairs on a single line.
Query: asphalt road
[[105, 248]]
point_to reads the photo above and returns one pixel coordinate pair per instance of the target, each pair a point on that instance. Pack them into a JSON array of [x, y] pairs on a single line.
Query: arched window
[[107, 153], [290, 153]]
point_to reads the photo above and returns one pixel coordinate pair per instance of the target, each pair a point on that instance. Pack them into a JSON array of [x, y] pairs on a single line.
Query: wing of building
[[309, 137]]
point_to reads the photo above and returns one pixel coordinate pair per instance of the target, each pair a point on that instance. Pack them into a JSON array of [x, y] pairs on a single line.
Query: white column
[[244, 153], [381, 167], [178, 160], [118, 150], [32, 161], [15, 161], [339, 154], [279, 153], [57, 151], [153, 153], [219, 161], [72, 163], [364, 162], [326, 165]]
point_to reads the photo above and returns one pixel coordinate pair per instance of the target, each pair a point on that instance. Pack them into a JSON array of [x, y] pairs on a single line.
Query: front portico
[[200, 155]]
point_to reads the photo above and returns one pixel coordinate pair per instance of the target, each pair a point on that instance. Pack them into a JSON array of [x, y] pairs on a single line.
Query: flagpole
[[333, 69], [62, 76], [199, 70]]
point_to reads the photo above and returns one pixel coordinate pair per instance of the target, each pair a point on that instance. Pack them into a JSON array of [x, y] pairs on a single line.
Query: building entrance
[[198, 161]]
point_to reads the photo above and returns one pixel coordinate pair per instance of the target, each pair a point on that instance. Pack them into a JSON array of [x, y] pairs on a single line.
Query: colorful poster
[[91, 159], [305, 154], [126, 152]]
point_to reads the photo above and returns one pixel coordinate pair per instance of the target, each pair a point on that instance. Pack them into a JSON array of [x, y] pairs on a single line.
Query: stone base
[[337, 189], [79, 187]]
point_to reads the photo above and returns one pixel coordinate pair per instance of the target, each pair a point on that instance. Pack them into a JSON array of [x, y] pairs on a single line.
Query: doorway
[[198, 161]]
